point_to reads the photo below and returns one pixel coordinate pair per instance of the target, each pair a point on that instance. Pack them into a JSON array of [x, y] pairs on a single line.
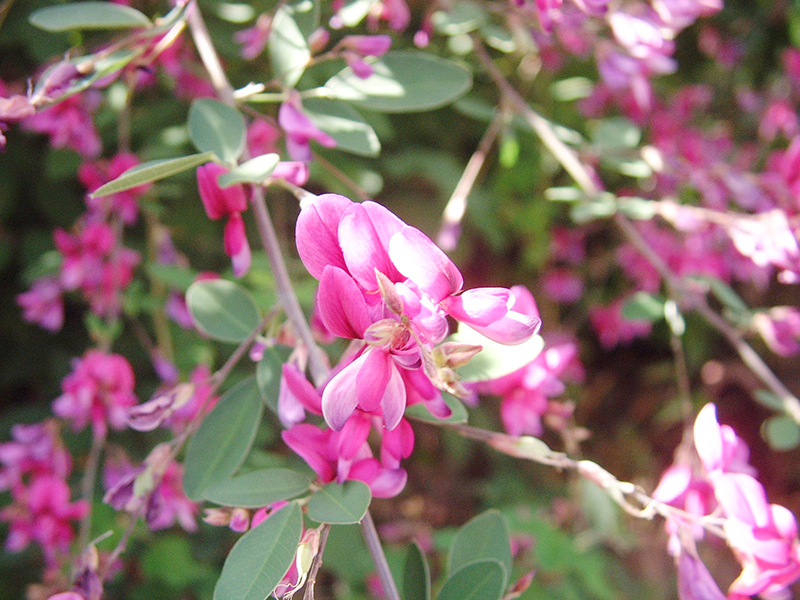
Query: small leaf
[[218, 128], [768, 399], [781, 432], [353, 12], [254, 170], [495, 360], [616, 133], [269, 372], [340, 503], [288, 48], [258, 488], [421, 413], [177, 277], [223, 440], [223, 310], [462, 17], [403, 82], [480, 580], [306, 13], [153, 170], [261, 557], [87, 15], [484, 537], [416, 575], [344, 124], [643, 307]]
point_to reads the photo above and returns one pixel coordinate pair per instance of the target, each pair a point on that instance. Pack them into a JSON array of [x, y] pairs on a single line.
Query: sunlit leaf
[[495, 360], [254, 170], [288, 48], [87, 15], [344, 124], [153, 170], [218, 128]]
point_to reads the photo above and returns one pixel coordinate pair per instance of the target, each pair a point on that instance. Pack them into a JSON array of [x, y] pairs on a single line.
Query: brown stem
[[315, 566]]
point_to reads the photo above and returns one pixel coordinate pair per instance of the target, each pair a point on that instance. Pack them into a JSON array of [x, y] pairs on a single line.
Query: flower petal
[[421, 261], [479, 306], [341, 303], [340, 397], [362, 245], [317, 233]]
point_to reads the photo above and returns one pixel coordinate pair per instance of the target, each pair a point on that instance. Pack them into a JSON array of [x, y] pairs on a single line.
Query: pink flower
[[35, 450], [99, 390], [43, 304], [231, 202], [300, 130], [780, 328], [612, 328], [262, 137], [69, 125], [254, 39]]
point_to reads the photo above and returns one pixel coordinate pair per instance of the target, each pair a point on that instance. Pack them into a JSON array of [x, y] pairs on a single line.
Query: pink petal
[[694, 580], [514, 328], [743, 498], [397, 444], [219, 202], [373, 378], [341, 303], [236, 244], [311, 444], [363, 249], [353, 435], [708, 438], [394, 399], [523, 301], [317, 233], [479, 306], [389, 483], [421, 261], [340, 397], [301, 388]]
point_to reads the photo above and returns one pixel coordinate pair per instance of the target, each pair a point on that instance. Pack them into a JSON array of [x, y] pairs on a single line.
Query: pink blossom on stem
[[43, 304], [612, 328], [300, 130], [69, 125], [253, 40]]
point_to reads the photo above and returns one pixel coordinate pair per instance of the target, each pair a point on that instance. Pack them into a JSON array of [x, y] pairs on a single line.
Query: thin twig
[[457, 205], [379, 558], [360, 192], [676, 287], [87, 486], [315, 566], [120, 547]]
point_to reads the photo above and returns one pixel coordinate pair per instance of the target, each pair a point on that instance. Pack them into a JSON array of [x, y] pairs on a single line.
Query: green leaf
[[306, 14], [258, 488], [261, 557], [288, 48], [416, 575], [403, 82], [254, 170], [781, 433], [353, 12], [344, 124], [177, 277], [768, 399], [616, 133], [218, 128], [268, 374], [223, 310], [464, 16], [483, 537], [643, 307], [87, 15], [421, 413], [223, 440], [480, 580], [340, 503], [495, 360], [153, 170]]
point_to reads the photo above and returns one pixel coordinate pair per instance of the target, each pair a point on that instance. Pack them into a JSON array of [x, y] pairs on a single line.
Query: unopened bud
[[307, 550], [457, 354], [389, 293], [381, 332], [240, 520], [219, 517]]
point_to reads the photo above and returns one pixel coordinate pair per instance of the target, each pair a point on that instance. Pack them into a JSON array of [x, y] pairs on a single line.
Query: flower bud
[[456, 354], [219, 517], [240, 520]]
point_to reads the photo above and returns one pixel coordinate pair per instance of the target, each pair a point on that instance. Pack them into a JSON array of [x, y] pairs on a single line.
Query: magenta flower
[[612, 328], [69, 125], [253, 40], [35, 450], [99, 390], [300, 130], [43, 304], [231, 202], [780, 328]]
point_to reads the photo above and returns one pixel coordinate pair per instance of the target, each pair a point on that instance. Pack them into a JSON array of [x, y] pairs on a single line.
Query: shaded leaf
[[153, 170], [403, 82], [254, 170], [268, 374], [344, 124], [340, 503], [643, 307], [462, 17], [416, 575], [223, 309], [258, 488], [483, 537], [781, 432], [218, 128], [87, 15], [480, 580], [223, 440], [261, 557], [288, 48]]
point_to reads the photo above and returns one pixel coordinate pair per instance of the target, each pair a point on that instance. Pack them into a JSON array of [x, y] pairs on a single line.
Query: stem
[[457, 205], [360, 192], [315, 566], [120, 547], [677, 290], [269, 240], [379, 558], [87, 486]]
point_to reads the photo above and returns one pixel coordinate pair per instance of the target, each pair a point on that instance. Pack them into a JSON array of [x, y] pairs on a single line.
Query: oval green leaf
[[223, 310], [421, 413], [288, 49], [258, 488], [643, 307], [340, 503], [480, 580], [218, 128], [344, 124], [254, 170], [462, 17], [88, 15], [484, 537], [495, 360], [261, 557], [403, 82], [223, 440], [781, 433], [269, 372], [153, 170], [416, 575]]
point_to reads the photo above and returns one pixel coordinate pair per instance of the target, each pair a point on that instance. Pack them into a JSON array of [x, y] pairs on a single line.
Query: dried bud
[[218, 517], [456, 354]]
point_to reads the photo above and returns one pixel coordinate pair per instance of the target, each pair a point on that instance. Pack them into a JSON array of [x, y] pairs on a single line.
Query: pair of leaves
[[479, 564]]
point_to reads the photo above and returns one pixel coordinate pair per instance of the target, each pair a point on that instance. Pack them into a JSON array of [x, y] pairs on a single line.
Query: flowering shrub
[[253, 365]]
